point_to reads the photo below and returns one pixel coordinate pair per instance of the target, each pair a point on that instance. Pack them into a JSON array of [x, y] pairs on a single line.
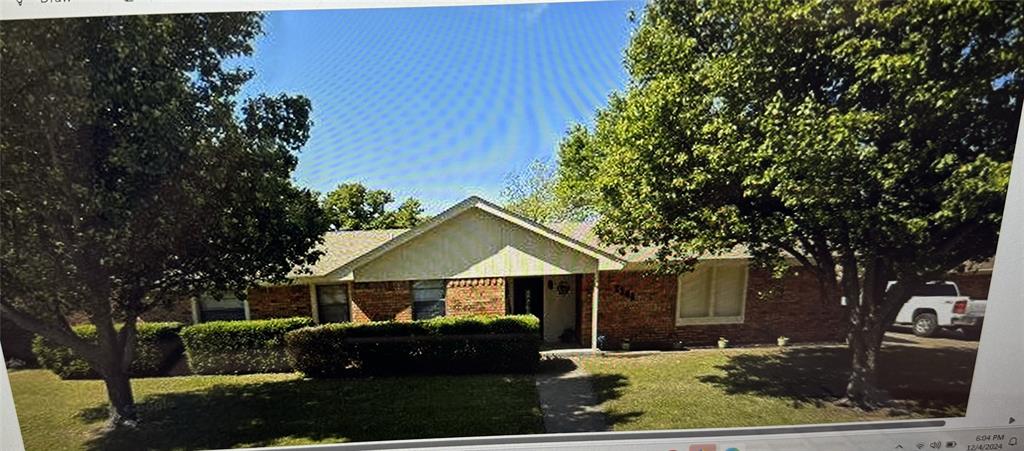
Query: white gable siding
[[476, 244]]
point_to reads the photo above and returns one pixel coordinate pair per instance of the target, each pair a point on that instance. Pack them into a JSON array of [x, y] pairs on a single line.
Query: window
[[712, 294], [428, 298], [227, 308], [332, 303], [943, 289]]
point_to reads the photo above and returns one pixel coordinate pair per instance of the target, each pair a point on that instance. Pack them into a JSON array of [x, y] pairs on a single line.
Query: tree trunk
[[122, 401], [867, 328], [110, 356], [860, 374], [862, 387], [116, 351]]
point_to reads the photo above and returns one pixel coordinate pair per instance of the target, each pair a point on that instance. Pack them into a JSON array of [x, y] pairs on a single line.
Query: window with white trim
[[226, 307], [713, 293], [428, 298], [332, 303]]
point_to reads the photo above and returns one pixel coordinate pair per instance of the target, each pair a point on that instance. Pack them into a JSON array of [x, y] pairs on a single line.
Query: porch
[[557, 300]]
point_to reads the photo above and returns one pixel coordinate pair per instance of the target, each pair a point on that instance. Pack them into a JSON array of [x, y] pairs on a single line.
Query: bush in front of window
[[450, 345], [240, 347], [157, 348]]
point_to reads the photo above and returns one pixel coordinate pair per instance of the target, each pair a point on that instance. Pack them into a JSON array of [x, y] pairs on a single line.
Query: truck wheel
[[925, 324]]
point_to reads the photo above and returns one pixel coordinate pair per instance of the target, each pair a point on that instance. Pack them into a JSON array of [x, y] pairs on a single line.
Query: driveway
[[942, 340]]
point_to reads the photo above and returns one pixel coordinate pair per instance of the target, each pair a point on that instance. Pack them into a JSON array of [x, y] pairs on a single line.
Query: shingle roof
[[343, 246], [584, 232]]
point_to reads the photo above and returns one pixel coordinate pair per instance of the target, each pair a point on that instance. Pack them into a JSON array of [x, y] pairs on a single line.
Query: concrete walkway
[[567, 398]]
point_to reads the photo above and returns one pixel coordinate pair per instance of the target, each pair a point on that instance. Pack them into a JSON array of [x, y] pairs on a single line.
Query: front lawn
[[769, 386], [199, 412]]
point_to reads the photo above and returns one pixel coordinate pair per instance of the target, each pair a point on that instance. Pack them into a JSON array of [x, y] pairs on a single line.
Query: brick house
[[477, 258]]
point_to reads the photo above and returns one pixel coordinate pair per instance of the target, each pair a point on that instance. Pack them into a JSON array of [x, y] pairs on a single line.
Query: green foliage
[[871, 141], [157, 348], [532, 193], [409, 214], [135, 176], [478, 344], [879, 133], [351, 206], [240, 347], [447, 325]]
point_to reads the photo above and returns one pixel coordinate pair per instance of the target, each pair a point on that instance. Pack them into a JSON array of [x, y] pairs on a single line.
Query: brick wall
[[973, 285], [476, 297], [279, 302], [641, 307], [381, 301], [282, 301]]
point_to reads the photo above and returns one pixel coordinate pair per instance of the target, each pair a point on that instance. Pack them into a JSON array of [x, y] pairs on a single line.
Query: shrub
[[479, 344], [240, 347], [157, 348]]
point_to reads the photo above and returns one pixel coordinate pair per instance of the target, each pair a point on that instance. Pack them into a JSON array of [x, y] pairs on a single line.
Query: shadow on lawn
[[951, 334], [262, 414], [927, 382], [608, 387], [583, 412]]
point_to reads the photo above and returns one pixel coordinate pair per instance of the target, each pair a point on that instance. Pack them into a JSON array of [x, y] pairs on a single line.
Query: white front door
[[559, 306]]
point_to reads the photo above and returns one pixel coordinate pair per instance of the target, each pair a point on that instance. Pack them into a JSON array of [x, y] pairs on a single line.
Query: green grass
[[193, 412], [769, 386]]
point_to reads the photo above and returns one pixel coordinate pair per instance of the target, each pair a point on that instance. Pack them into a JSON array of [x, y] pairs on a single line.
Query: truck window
[[937, 289]]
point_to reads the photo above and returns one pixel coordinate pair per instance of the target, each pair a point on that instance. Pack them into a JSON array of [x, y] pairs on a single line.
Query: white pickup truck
[[940, 305]]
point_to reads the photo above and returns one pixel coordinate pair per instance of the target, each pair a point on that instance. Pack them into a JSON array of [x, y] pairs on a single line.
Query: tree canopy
[[532, 192], [133, 177], [870, 141], [351, 206]]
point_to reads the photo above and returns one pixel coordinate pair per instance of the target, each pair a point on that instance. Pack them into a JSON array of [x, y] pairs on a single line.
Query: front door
[[528, 297], [560, 309]]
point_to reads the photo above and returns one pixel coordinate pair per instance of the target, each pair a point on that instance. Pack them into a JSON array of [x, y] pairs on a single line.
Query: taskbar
[[923, 435]]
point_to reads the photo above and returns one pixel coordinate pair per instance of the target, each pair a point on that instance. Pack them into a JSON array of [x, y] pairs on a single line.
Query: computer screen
[[689, 225]]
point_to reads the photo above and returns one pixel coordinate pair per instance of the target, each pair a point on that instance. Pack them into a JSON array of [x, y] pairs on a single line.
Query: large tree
[[532, 192], [352, 206], [133, 178], [870, 141]]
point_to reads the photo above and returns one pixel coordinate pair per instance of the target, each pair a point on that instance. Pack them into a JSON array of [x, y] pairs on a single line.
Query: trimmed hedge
[[240, 347], [477, 344], [157, 349]]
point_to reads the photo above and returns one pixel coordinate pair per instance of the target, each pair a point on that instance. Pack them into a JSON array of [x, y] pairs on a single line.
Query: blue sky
[[441, 103]]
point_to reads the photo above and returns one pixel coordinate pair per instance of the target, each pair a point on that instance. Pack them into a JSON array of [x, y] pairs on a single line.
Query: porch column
[[313, 308], [593, 310], [351, 297]]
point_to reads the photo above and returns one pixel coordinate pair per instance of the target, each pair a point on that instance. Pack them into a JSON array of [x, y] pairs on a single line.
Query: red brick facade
[[371, 301], [973, 285], [381, 301], [385, 301], [641, 307], [637, 306], [476, 297], [279, 302]]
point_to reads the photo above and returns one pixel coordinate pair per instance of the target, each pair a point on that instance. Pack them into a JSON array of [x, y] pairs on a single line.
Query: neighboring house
[[477, 258]]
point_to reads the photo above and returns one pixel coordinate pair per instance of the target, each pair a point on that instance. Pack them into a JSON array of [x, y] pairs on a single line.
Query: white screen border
[[996, 395]]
